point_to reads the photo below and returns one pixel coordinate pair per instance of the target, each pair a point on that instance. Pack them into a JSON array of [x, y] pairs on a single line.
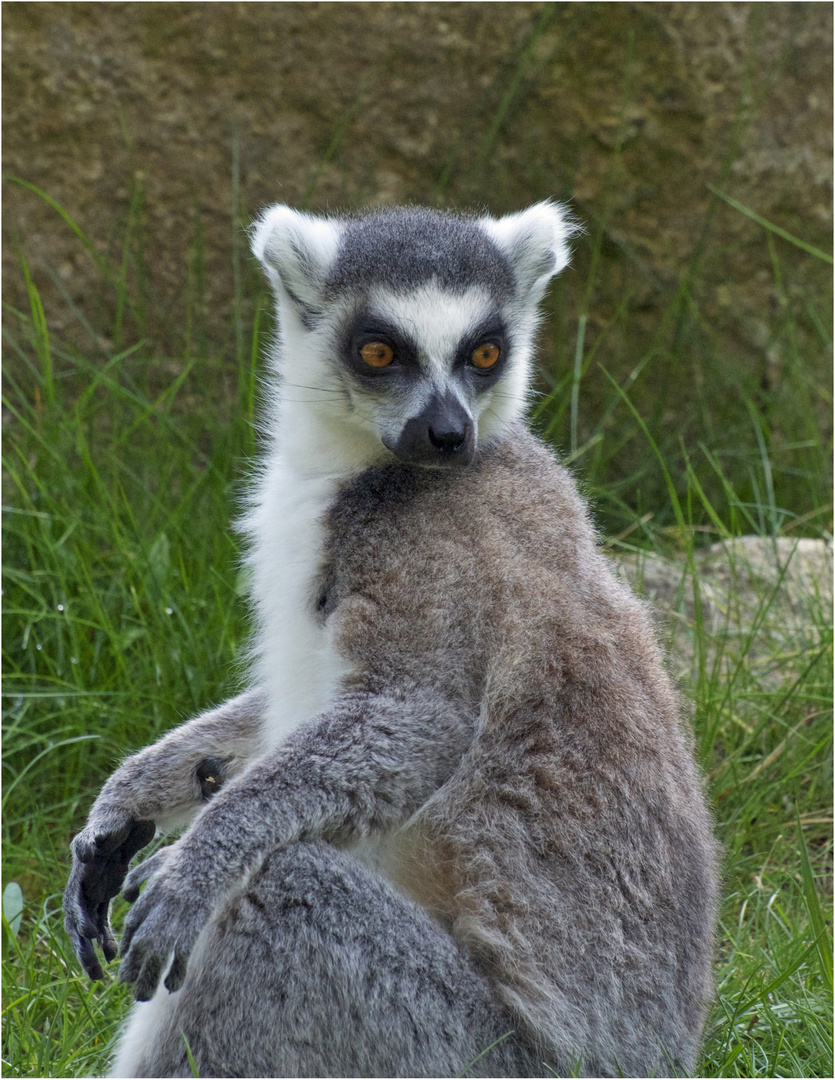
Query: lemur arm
[[163, 785], [365, 765]]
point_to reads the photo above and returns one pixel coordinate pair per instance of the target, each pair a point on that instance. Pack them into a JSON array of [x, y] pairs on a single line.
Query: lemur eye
[[377, 354], [485, 356]]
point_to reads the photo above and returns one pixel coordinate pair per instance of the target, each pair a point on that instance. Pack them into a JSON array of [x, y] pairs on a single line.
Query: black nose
[[441, 436], [447, 440]]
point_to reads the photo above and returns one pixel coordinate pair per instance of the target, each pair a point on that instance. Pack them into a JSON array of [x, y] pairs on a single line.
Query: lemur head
[[414, 327]]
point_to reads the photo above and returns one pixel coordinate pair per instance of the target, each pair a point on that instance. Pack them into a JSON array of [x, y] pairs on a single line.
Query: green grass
[[122, 599]]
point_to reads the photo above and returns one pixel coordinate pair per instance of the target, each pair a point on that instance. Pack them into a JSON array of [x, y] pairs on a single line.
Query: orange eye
[[485, 356], [377, 354]]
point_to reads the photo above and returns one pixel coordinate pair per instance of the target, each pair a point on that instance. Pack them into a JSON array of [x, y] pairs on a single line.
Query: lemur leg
[[318, 967]]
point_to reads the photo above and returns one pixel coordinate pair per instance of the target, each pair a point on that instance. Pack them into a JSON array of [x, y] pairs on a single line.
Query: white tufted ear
[[536, 242], [296, 251]]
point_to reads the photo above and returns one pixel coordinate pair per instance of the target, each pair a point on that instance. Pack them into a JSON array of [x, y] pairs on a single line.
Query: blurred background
[[160, 130]]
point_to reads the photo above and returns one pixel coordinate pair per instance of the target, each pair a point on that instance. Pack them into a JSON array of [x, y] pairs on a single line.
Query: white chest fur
[[295, 662]]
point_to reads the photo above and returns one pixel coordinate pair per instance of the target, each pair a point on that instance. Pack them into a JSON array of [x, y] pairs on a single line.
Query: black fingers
[[141, 965], [149, 977], [131, 891], [107, 939], [140, 874], [99, 868], [177, 973], [131, 966], [88, 845], [141, 833], [132, 923], [80, 932], [81, 926], [86, 953]]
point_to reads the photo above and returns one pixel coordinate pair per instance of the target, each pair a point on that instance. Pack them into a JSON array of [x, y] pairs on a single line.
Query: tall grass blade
[[671, 489], [802, 244], [103, 268], [823, 936], [41, 333]]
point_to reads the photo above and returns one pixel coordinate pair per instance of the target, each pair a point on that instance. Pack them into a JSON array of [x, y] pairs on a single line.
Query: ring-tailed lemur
[[459, 826]]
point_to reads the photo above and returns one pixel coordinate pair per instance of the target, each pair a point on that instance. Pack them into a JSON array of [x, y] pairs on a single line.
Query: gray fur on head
[[404, 248]]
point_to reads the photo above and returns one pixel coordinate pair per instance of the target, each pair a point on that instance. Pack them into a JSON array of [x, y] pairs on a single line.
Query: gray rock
[[748, 597], [454, 104]]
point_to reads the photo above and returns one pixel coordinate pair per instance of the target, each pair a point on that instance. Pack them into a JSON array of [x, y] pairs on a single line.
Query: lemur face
[[417, 326], [426, 367]]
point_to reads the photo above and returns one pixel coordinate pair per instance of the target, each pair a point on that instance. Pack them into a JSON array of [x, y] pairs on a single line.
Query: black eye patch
[[365, 329], [494, 332]]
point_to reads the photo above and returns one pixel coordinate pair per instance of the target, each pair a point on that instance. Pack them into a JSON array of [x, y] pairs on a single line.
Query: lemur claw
[[101, 857]]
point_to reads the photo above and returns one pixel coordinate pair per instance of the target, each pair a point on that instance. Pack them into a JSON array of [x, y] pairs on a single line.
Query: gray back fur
[[571, 852]]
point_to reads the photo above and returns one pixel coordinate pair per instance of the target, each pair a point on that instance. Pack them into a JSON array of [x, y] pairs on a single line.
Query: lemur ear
[[296, 251], [536, 242]]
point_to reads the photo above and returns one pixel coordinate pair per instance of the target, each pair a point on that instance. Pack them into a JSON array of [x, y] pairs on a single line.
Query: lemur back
[[570, 851], [458, 787]]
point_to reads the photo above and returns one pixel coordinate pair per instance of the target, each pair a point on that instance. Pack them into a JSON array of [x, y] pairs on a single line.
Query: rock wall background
[[161, 129]]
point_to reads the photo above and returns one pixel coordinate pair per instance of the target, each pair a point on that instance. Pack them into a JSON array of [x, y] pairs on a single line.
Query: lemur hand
[[166, 919], [102, 852]]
